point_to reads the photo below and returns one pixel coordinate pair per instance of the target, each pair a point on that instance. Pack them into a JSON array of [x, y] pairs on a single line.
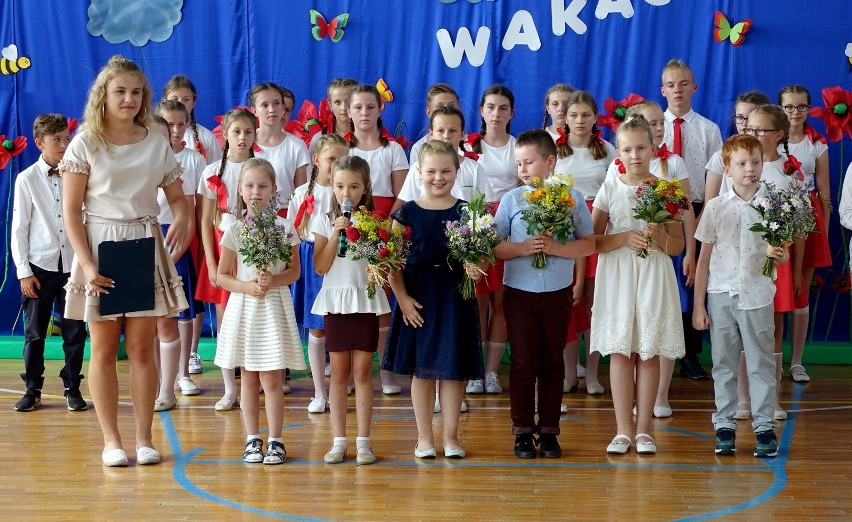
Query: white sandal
[[646, 447], [619, 445], [798, 373]]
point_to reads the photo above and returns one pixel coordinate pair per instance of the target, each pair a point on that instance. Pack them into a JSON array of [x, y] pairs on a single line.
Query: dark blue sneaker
[[725, 441], [767, 444]]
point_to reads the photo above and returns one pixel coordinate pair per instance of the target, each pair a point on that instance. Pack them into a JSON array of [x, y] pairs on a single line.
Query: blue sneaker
[[725, 441], [767, 444]]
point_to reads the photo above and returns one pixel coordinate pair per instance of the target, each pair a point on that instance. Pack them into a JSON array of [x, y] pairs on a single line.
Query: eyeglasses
[[758, 132], [796, 108], [739, 120]]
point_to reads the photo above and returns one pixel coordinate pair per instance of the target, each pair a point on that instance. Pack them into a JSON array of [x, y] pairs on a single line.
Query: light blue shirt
[[519, 272]]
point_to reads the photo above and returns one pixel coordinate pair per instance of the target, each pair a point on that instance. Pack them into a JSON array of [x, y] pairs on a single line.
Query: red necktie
[[678, 139]]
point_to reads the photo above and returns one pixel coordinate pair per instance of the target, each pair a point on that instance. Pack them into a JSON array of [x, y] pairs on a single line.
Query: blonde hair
[[94, 113], [435, 147], [326, 141], [635, 111], [253, 163], [635, 124], [559, 87], [678, 65]]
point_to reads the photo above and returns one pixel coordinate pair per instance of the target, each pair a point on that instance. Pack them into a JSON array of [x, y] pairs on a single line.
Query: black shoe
[[29, 401], [549, 446], [237, 373], [726, 441], [75, 400], [692, 368], [525, 446]]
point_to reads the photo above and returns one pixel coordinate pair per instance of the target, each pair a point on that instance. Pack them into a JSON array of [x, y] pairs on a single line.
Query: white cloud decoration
[[139, 21]]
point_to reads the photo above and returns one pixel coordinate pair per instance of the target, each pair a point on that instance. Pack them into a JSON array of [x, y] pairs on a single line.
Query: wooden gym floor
[[51, 467]]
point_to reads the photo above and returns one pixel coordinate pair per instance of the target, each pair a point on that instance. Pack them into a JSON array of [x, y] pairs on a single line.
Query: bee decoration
[[10, 63]]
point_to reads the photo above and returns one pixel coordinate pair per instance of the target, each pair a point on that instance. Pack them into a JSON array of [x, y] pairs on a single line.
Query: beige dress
[[121, 203]]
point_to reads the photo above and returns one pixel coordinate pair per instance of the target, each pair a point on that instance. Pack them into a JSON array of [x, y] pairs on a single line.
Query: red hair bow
[[793, 166], [72, 124], [10, 148], [307, 206], [598, 135], [473, 138], [563, 138], [401, 139], [215, 184], [813, 134], [836, 114], [470, 154], [620, 165], [663, 152], [617, 111], [348, 137]]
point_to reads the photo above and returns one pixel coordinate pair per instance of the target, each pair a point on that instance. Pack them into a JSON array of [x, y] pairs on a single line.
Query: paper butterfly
[[724, 30], [384, 92], [333, 29]]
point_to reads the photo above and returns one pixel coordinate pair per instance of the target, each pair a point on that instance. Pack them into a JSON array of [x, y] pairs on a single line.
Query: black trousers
[[37, 313], [693, 339]]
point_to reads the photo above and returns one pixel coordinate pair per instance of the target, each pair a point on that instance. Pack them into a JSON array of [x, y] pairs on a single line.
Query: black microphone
[[346, 209]]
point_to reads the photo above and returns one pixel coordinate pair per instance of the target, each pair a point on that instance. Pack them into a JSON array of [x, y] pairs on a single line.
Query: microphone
[[346, 209]]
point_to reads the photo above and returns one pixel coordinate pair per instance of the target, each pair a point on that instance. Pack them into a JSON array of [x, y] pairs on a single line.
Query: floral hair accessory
[[836, 114], [617, 111], [10, 148]]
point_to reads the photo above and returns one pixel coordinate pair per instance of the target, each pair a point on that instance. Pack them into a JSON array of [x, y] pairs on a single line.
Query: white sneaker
[[563, 408], [594, 388], [187, 386], [492, 384], [195, 363], [780, 415], [474, 386], [285, 388], [463, 407], [318, 405], [327, 370]]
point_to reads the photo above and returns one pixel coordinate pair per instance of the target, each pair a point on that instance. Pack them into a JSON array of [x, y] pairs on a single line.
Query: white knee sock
[[169, 355], [316, 358], [778, 371]]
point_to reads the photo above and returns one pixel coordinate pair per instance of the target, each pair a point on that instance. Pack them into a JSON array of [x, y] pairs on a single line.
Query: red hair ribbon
[[473, 138], [348, 137], [793, 166], [663, 152], [563, 138], [215, 184], [598, 135], [813, 134], [307, 206], [620, 165], [470, 154], [72, 124]]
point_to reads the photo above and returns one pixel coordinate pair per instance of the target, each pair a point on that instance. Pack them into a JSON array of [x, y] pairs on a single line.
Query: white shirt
[[193, 165], [470, 181], [807, 153], [588, 173], [675, 167], [414, 153], [845, 208], [700, 138], [738, 253], [322, 205], [206, 137], [383, 161], [500, 168], [286, 157], [230, 177], [773, 172], [38, 232]]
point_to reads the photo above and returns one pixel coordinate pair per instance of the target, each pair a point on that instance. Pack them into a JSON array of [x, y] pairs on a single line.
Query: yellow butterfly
[[724, 30], [384, 92]]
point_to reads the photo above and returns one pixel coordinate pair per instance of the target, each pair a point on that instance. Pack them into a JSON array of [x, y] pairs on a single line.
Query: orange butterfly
[[384, 92]]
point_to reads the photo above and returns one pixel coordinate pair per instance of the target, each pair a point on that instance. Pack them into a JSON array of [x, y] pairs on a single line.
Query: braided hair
[[179, 81], [496, 90], [596, 147], [365, 88], [559, 87]]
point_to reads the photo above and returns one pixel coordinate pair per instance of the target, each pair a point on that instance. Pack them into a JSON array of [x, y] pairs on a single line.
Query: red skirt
[[817, 253], [204, 291], [493, 278], [579, 322], [784, 301], [384, 203]]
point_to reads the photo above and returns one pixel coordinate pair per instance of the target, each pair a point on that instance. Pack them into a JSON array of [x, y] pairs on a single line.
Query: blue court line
[[685, 432], [778, 466]]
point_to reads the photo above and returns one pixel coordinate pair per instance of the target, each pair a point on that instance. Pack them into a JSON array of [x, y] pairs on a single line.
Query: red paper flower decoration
[[305, 124], [817, 283], [841, 284], [836, 114], [617, 111], [10, 148]]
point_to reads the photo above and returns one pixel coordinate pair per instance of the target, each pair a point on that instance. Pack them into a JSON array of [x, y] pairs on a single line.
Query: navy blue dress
[[447, 346]]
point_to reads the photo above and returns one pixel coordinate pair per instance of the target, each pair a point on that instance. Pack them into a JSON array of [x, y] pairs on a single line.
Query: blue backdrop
[[608, 47]]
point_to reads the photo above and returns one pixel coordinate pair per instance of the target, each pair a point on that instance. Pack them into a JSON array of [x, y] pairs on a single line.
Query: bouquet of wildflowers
[[785, 216], [472, 238], [659, 201], [372, 237], [550, 211], [264, 240]]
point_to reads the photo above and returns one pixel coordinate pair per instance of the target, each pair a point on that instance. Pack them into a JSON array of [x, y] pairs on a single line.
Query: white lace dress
[[636, 307]]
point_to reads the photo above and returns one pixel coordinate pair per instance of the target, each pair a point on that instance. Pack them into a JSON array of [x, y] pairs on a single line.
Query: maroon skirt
[[347, 332]]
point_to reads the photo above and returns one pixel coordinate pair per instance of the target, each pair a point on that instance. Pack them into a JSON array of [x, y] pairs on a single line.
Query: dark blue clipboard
[[130, 264]]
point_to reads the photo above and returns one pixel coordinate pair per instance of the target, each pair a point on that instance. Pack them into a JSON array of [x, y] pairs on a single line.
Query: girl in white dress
[[259, 332], [636, 313], [351, 318], [112, 170]]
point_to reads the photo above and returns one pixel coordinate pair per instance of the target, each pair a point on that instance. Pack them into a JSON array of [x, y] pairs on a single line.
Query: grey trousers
[[756, 328]]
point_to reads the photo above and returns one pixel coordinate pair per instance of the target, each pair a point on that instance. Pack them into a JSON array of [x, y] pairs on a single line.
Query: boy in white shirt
[[739, 298], [42, 255]]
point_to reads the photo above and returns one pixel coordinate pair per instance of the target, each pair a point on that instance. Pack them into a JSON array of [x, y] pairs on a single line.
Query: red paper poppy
[[305, 124], [617, 111], [817, 283], [836, 114], [10, 148], [841, 284]]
